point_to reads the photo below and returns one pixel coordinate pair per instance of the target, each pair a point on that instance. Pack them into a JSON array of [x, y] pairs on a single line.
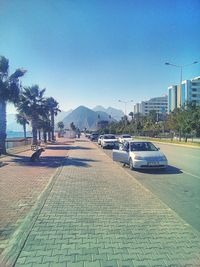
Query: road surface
[[179, 185]]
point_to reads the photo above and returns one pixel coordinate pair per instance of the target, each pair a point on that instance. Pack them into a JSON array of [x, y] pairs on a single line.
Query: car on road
[[94, 136], [125, 137], [140, 155], [108, 141]]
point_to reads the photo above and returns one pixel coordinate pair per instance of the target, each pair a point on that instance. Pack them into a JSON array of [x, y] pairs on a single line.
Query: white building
[[159, 104], [189, 91]]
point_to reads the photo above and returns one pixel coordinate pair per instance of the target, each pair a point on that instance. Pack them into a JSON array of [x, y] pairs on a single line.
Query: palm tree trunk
[[2, 127], [24, 128], [34, 130], [45, 136], [49, 136], [39, 134], [52, 126]]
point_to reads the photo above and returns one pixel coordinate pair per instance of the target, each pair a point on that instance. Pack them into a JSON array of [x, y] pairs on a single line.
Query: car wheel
[[131, 164]]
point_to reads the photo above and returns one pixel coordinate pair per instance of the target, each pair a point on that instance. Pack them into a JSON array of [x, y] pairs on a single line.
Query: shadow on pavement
[[68, 148], [169, 170], [78, 162], [49, 161]]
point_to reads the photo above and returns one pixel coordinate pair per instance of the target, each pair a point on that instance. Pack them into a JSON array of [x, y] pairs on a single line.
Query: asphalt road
[[179, 185]]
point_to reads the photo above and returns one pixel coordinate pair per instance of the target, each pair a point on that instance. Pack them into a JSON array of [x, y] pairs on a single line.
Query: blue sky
[[94, 52]]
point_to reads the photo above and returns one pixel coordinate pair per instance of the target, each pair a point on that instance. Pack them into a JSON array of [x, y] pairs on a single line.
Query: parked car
[[99, 139], [140, 155], [108, 141], [94, 136], [125, 137]]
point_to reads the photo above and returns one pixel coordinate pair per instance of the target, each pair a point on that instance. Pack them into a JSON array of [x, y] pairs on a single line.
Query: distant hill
[[84, 117], [61, 115], [115, 113]]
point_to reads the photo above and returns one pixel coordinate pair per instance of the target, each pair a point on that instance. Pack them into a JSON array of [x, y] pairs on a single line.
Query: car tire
[[131, 164]]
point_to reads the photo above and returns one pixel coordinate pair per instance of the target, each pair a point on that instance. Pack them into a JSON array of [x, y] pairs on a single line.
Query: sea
[[12, 134]]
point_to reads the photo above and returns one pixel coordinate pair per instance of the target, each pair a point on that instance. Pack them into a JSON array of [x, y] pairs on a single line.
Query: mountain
[[84, 117], [115, 113], [61, 115]]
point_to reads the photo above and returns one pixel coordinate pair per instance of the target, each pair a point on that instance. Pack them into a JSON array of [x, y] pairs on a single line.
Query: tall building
[[172, 97], [159, 104], [188, 91]]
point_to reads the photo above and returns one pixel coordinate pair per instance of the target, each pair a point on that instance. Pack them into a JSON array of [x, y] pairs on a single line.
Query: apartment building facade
[[159, 104], [188, 91]]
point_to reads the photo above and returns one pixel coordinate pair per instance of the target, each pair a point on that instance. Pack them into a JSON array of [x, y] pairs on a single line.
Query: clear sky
[[94, 52]]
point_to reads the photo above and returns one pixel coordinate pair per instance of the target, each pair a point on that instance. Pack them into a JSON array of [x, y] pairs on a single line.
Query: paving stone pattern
[[96, 215], [21, 183]]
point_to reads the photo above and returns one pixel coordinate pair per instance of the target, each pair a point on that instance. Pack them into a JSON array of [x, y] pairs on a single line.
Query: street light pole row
[[181, 67], [125, 103]]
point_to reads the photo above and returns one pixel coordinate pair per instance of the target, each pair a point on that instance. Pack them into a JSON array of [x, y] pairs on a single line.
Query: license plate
[[153, 163]]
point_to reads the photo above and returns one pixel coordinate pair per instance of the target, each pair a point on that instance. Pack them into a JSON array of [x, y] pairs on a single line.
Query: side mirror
[[158, 148]]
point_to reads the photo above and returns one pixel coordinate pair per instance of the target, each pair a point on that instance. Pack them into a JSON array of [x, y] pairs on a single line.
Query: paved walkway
[[21, 183], [95, 214]]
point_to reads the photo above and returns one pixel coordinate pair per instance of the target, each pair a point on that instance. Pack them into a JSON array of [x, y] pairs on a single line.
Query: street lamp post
[[181, 69], [125, 103]]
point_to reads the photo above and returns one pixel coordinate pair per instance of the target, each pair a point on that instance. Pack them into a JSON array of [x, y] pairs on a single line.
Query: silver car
[[140, 155]]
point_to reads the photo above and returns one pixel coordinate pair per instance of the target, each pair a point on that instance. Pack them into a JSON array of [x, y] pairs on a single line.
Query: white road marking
[[188, 173]]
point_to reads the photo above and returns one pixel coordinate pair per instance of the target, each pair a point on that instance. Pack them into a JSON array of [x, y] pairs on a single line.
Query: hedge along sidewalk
[[168, 142], [21, 183]]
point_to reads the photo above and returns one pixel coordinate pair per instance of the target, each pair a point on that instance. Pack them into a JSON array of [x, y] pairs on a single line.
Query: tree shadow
[[50, 161], [68, 148], [168, 170]]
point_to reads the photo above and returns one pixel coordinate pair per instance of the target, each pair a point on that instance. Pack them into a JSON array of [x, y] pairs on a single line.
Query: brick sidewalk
[[95, 214], [21, 183]]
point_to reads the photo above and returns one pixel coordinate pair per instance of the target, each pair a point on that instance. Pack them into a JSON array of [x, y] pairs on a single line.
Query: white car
[[125, 137], [108, 141], [140, 155]]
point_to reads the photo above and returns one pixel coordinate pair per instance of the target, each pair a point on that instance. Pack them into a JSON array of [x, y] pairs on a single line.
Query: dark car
[[94, 136]]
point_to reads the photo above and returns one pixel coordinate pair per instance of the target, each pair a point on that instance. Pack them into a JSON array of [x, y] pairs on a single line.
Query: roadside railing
[[17, 142]]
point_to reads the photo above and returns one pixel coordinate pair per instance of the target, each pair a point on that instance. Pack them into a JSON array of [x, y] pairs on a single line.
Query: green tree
[[9, 92], [72, 126], [32, 103], [60, 126], [22, 119], [131, 114]]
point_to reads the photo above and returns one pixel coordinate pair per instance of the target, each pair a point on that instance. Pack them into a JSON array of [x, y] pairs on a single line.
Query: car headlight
[[163, 158], [138, 157]]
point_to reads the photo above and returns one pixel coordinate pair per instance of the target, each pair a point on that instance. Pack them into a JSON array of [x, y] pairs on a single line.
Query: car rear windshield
[[143, 146], [109, 137]]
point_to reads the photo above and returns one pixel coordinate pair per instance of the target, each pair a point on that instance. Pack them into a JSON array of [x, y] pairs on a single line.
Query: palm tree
[[21, 118], [131, 114], [9, 92], [32, 103], [52, 106], [44, 124], [60, 126]]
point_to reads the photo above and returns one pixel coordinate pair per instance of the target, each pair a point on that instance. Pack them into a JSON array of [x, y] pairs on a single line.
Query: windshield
[[109, 137], [143, 146], [126, 136]]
